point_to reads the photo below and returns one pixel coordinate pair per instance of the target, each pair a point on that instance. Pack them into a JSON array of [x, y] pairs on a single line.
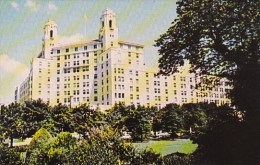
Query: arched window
[[51, 34], [110, 23]]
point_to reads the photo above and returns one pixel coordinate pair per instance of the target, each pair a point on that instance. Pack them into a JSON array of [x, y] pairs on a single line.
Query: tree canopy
[[217, 37], [221, 38]]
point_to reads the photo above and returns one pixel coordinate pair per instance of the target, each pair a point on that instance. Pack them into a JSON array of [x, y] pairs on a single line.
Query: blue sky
[[22, 21]]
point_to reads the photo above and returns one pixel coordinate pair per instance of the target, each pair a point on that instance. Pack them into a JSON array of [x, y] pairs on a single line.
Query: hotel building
[[106, 71]]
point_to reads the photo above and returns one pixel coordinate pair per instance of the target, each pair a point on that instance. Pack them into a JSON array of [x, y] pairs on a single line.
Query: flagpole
[[85, 17]]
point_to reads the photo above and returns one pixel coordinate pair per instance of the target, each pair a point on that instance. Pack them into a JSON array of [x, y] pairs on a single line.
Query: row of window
[[75, 49]]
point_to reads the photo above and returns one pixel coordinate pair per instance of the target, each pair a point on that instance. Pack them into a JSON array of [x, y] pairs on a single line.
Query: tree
[[9, 155], [219, 140], [41, 136], [34, 115], [11, 122], [171, 119], [61, 117], [86, 119], [220, 38], [37, 151], [138, 123], [195, 115]]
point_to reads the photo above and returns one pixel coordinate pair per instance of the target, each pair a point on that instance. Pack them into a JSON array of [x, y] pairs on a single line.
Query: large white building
[[106, 71]]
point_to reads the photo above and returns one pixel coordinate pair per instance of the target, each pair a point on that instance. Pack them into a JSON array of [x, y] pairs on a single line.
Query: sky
[[22, 22]]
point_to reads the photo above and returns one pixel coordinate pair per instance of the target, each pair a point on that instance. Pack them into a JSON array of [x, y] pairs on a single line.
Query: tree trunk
[[11, 141]]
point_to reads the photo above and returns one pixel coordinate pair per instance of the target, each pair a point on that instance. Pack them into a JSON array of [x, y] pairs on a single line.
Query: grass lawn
[[165, 147]]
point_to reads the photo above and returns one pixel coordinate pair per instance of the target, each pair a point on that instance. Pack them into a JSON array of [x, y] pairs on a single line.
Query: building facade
[[106, 71]]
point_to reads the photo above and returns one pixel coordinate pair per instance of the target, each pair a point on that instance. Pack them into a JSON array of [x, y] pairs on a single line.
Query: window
[[85, 47], [110, 23], [58, 65], [76, 49], [51, 34], [58, 51], [95, 46], [137, 89], [95, 83], [147, 89], [67, 50]]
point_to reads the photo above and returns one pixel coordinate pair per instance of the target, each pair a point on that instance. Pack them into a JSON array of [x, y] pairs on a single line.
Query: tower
[[49, 38], [108, 32]]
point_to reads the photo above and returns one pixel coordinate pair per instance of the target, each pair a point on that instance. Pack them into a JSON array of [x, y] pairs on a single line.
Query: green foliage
[[11, 122], [60, 117], [171, 119], [178, 159], [40, 137], [85, 119], [9, 155], [219, 141], [61, 148], [221, 38], [135, 120], [34, 114]]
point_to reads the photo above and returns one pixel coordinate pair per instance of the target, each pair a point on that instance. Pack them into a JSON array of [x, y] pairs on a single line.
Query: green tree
[[41, 136], [61, 118], [219, 140], [171, 118], [85, 119], [117, 115], [220, 38], [11, 122], [195, 116], [9, 155], [34, 115], [37, 150], [61, 149], [138, 123]]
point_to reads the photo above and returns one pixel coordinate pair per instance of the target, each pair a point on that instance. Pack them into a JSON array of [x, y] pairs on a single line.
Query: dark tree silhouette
[[221, 38]]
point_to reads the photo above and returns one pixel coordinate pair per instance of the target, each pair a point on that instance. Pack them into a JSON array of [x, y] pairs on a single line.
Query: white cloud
[[32, 5], [12, 73], [52, 6], [15, 5]]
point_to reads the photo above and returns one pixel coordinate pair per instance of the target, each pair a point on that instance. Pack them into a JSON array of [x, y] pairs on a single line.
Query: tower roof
[[50, 22], [108, 11]]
